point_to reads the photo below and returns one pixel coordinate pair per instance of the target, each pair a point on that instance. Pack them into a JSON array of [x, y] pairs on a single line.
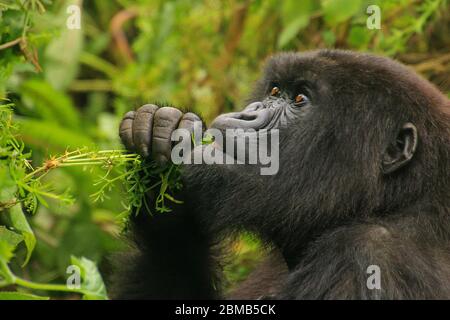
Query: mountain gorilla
[[363, 188]]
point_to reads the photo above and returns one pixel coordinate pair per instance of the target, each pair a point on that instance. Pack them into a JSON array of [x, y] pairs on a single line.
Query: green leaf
[[6, 252], [359, 37], [50, 104], [336, 11], [20, 296], [10, 236], [61, 55], [295, 16], [92, 285], [329, 38], [8, 187], [20, 223], [50, 136], [97, 63], [291, 30]]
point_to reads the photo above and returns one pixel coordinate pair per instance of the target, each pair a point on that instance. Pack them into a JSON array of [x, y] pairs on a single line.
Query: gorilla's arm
[[339, 265], [172, 256], [172, 259]]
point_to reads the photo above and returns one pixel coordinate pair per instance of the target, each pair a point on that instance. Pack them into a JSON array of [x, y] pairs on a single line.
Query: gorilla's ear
[[400, 151]]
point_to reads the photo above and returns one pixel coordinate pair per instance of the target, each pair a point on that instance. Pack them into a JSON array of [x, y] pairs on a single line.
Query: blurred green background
[[70, 87]]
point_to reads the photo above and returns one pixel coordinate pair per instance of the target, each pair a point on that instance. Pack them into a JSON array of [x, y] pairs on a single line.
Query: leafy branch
[[22, 187]]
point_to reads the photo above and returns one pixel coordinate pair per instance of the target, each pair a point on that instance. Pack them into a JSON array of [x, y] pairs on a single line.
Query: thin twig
[[119, 35], [10, 43]]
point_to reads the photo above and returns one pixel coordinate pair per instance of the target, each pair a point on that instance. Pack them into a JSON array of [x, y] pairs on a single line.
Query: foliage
[[69, 88], [23, 189]]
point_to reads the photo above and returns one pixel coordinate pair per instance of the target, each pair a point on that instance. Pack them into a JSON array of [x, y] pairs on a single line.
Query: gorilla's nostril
[[254, 106], [245, 120], [248, 116]]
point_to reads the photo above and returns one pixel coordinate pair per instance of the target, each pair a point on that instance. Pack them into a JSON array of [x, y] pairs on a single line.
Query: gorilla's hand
[[148, 130]]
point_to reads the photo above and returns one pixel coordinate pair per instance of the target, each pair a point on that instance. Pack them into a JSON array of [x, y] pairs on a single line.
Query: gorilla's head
[[359, 135]]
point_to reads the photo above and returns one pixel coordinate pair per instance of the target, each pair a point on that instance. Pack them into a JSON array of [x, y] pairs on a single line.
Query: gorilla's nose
[[254, 116], [254, 106]]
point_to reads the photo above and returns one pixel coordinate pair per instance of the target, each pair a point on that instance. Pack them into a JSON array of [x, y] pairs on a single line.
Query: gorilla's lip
[[246, 120]]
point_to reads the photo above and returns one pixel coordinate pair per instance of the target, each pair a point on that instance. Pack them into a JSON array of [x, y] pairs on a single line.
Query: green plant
[[22, 189]]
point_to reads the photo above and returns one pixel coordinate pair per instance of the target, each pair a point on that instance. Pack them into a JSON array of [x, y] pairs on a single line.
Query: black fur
[[330, 210]]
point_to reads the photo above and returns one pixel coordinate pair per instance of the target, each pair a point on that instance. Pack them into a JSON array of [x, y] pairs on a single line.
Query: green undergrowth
[[23, 188]]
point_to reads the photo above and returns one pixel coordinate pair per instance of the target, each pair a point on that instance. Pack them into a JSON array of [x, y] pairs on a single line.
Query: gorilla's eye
[[300, 99], [275, 91]]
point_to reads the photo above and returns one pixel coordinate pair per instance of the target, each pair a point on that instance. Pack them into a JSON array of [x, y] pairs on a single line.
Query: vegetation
[[64, 190]]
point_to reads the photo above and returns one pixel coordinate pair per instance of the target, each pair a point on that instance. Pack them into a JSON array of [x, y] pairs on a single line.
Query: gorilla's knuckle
[[169, 113], [189, 116], [148, 108], [129, 115]]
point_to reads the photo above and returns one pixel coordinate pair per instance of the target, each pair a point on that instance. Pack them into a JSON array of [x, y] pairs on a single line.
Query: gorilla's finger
[[126, 130], [142, 128], [189, 121], [166, 120]]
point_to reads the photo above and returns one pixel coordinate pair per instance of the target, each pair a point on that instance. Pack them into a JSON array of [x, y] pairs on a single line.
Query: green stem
[[123, 175], [43, 286], [10, 43], [75, 164], [125, 158], [70, 161], [33, 173], [122, 152], [25, 24]]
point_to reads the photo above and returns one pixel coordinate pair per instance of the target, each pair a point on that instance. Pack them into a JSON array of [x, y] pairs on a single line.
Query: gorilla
[[363, 188]]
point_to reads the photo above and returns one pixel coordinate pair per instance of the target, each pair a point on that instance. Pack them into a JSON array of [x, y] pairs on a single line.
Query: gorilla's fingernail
[[129, 115]]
